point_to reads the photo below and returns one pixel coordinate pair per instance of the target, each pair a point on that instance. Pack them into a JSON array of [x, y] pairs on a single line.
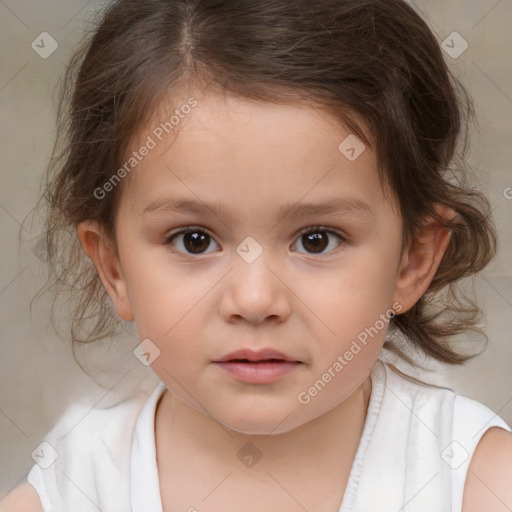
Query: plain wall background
[[39, 376]]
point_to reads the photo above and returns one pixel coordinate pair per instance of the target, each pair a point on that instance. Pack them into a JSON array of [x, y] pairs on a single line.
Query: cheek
[[354, 308], [160, 292], [169, 307], [359, 291], [353, 305]]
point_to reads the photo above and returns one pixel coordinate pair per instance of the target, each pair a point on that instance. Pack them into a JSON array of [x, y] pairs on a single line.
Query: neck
[[329, 442]]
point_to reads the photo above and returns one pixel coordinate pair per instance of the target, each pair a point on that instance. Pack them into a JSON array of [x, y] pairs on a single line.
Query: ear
[[102, 252], [421, 260]]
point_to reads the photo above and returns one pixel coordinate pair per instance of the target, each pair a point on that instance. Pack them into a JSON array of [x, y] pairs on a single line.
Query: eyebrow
[[297, 210]]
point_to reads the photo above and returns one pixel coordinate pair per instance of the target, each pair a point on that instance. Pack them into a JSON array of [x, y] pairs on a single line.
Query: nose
[[255, 293]]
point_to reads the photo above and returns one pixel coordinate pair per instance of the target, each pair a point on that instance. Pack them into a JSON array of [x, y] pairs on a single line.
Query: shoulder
[[489, 479], [23, 498]]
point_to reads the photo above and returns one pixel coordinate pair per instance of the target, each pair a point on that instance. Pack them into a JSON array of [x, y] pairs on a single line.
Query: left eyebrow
[[297, 210], [335, 205]]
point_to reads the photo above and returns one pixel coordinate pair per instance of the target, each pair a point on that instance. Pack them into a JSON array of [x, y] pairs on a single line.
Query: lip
[[258, 355], [257, 367], [258, 372]]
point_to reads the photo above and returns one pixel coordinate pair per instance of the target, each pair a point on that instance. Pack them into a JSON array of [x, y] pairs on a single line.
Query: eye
[[317, 239], [190, 240]]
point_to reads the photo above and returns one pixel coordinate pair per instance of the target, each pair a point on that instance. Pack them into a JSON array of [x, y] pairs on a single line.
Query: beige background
[[38, 374]]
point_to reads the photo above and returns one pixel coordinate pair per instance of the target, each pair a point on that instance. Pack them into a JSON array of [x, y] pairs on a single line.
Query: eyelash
[[313, 229]]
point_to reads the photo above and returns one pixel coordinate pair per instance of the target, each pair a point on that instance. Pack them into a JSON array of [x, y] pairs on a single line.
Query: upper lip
[[252, 355]]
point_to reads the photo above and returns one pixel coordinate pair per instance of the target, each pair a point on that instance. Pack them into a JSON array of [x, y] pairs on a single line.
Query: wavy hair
[[374, 64]]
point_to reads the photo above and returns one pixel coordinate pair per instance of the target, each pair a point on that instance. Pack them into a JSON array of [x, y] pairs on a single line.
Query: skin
[[253, 158]]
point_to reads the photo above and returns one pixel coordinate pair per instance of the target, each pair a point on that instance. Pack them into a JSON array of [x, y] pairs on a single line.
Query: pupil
[[196, 242], [318, 241]]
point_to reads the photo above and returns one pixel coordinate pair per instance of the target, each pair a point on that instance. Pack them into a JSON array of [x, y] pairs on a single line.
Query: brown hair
[[371, 63]]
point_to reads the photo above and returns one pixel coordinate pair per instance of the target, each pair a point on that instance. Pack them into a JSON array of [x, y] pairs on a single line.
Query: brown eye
[[196, 242], [191, 241], [316, 240]]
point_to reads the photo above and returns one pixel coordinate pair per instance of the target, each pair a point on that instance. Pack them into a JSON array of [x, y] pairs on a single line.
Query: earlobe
[[100, 249], [422, 259]]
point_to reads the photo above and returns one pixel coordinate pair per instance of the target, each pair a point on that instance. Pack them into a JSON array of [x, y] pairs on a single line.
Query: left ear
[[422, 259]]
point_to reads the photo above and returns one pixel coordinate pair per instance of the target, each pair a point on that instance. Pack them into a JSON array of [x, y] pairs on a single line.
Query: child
[[266, 190]]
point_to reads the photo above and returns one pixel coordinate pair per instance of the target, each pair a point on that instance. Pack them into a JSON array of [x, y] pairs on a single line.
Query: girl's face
[[254, 229]]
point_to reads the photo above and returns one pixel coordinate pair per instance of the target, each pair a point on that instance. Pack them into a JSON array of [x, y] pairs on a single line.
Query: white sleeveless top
[[413, 455]]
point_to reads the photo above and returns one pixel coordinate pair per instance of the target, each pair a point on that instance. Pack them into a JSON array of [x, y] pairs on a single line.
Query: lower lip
[[258, 373]]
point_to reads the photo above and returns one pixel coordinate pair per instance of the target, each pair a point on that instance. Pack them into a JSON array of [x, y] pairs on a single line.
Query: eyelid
[[184, 229], [322, 228]]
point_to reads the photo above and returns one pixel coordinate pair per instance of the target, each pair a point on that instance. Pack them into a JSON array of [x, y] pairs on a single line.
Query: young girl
[[266, 189]]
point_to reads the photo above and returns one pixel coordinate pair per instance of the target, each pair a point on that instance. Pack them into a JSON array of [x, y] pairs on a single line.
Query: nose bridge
[[255, 293], [252, 267]]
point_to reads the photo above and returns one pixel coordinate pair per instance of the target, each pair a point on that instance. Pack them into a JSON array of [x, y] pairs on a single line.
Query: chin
[[263, 423]]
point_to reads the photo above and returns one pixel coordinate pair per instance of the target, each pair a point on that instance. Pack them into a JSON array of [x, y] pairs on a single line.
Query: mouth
[[252, 356], [261, 367]]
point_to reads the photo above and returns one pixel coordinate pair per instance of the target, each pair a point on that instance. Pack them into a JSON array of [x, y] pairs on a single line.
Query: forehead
[[250, 152]]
